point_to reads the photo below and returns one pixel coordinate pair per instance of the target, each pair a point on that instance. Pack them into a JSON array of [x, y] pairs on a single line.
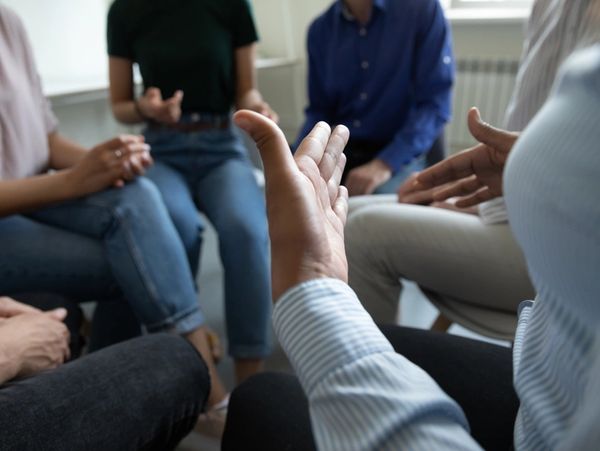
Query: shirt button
[[364, 65], [362, 31], [356, 123], [447, 60], [363, 96]]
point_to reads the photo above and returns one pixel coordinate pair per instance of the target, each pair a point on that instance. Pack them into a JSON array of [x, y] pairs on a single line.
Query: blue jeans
[[118, 240], [210, 171]]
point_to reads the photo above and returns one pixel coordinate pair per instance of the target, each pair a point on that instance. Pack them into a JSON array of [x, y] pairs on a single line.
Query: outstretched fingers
[[463, 187], [333, 151], [340, 205], [483, 195], [451, 169]]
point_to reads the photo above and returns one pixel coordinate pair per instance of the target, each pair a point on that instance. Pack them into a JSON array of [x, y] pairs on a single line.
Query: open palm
[[306, 207], [474, 174]]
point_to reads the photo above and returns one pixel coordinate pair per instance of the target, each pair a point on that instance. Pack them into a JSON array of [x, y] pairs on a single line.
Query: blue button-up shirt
[[388, 81]]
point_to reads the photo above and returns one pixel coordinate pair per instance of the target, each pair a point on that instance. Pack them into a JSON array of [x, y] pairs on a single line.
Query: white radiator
[[486, 84]]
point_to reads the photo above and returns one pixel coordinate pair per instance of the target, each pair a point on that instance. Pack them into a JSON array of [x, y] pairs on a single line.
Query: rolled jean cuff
[[181, 324], [257, 351]]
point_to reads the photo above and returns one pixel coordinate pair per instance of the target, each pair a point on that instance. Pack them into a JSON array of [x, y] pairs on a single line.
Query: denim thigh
[[41, 257], [143, 250], [221, 177]]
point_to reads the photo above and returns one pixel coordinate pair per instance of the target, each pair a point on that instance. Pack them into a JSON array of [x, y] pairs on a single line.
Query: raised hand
[[474, 174], [111, 163], [306, 206], [153, 106]]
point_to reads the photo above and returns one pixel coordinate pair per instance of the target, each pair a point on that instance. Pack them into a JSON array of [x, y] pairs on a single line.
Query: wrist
[[68, 183], [140, 110], [11, 362]]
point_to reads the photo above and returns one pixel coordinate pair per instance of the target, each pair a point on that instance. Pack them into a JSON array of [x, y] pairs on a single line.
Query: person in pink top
[[83, 222]]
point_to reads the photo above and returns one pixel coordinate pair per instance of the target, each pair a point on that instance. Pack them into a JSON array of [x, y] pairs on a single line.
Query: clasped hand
[[31, 340], [112, 163]]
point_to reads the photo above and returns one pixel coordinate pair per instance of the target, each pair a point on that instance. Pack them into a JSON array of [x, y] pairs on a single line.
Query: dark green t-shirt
[[183, 44]]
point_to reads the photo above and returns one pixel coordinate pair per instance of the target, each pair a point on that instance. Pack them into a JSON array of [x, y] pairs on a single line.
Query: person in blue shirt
[[385, 70]]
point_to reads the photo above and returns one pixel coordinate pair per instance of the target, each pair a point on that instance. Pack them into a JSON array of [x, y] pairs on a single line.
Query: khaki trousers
[[474, 273]]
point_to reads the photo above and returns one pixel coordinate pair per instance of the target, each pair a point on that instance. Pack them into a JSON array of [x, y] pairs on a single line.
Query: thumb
[[153, 93], [177, 97], [487, 134], [272, 145], [58, 314]]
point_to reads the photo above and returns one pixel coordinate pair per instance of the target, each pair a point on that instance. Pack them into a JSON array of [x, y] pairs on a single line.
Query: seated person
[[146, 393], [92, 225], [192, 79], [385, 70], [364, 396], [439, 248]]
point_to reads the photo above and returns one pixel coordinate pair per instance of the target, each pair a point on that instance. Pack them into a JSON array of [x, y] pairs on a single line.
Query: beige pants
[[474, 273]]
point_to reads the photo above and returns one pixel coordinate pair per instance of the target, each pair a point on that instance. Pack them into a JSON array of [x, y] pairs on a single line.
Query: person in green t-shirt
[[196, 59]]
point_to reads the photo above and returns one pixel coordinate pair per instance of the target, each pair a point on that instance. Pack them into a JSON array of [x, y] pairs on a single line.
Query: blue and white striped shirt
[[364, 396]]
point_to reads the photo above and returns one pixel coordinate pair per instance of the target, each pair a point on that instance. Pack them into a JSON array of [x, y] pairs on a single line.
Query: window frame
[[481, 4]]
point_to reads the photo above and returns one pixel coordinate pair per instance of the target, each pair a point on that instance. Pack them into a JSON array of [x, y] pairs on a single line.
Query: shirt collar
[[345, 12]]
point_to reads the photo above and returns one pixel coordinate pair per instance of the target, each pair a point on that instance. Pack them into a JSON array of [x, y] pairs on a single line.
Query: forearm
[[333, 344], [248, 99], [9, 362], [18, 196], [64, 153], [127, 112]]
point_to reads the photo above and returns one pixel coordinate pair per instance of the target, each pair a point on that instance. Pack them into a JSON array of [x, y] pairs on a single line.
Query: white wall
[[61, 54], [67, 38]]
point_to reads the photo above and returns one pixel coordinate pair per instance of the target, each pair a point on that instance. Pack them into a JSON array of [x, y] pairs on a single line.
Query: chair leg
[[441, 324]]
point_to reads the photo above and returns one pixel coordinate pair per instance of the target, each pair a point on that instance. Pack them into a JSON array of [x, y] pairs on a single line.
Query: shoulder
[[418, 8], [11, 21], [117, 9], [581, 71], [323, 23]]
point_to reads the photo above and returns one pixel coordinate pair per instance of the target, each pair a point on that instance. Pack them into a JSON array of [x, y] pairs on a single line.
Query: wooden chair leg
[[441, 324]]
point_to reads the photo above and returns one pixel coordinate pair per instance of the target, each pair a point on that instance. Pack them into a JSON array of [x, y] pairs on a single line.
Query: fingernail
[[242, 123], [60, 312]]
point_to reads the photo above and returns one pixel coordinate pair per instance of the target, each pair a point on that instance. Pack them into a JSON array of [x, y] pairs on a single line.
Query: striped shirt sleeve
[[362, 395]]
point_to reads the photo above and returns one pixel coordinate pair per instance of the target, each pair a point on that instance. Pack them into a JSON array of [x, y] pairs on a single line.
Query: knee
[[140, 191], [170, 362], [357, 233], [242, 230]]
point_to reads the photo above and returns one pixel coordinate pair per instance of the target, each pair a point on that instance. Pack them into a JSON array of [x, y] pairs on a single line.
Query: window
[[487, 3]]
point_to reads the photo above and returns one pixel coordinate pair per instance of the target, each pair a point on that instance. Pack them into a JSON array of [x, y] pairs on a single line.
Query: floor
[[416, 311]]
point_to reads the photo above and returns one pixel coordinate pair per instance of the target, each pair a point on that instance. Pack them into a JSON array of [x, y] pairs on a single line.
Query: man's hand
[[306, 206], [474, 174], [152, 106], [409, 192], [9, 308], [32, 342], [366, 178]]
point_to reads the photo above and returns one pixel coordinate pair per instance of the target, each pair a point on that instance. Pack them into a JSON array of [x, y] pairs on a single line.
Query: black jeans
[[144, 394], [270, 411]]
